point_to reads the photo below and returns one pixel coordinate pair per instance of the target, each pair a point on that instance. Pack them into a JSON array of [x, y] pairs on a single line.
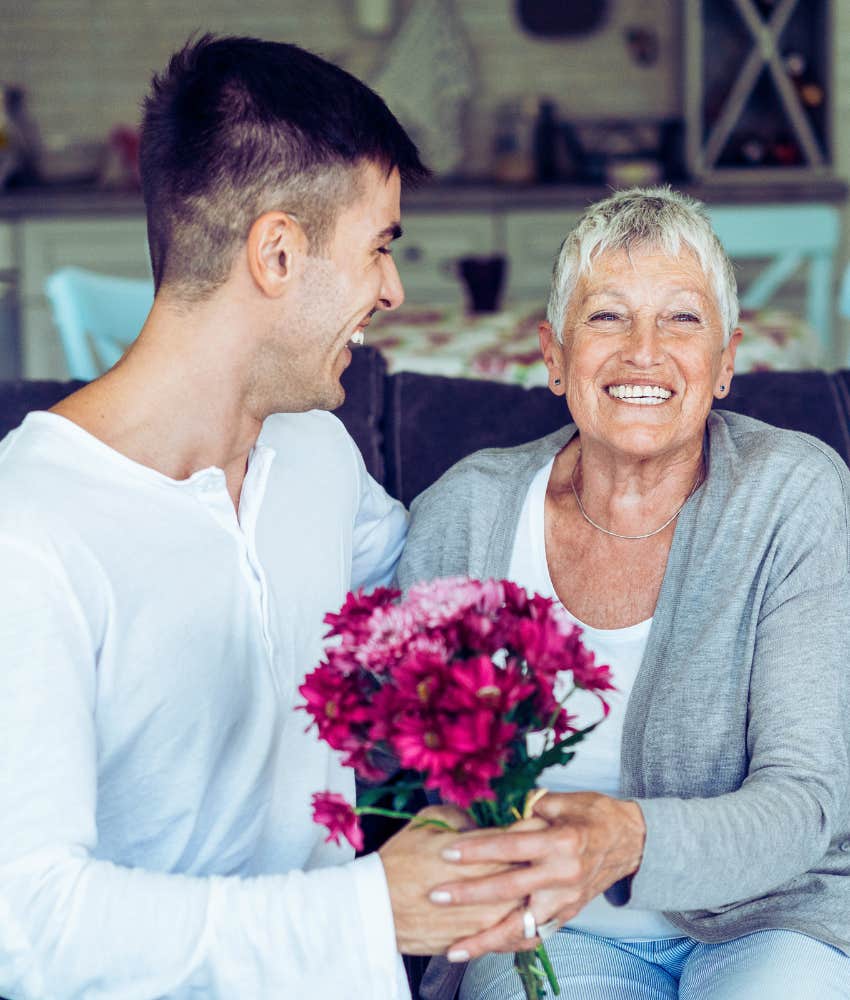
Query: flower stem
[[378, 811], [546, 962], [535, 969]]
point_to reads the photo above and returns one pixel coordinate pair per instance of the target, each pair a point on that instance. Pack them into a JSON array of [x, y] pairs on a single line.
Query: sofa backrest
[[18, 398], [411, 428], [430, 422]]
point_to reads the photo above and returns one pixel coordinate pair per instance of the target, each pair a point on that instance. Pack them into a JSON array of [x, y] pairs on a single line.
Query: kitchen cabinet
[[7, 252], [10, 361], [432, 244], [427, 256], [114, 245], [757, 82], [531, 242], [763, 227]]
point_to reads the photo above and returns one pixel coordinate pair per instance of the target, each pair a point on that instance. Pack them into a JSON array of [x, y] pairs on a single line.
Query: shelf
[[757, 94]]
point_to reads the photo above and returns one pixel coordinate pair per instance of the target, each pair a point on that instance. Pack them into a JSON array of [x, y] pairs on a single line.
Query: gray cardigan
[[736, 742]]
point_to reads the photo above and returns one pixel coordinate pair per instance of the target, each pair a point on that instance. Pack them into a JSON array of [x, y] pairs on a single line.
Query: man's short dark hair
[[235, 127]]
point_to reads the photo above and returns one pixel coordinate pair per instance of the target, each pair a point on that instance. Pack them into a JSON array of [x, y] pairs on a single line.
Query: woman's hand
[[588, 842]]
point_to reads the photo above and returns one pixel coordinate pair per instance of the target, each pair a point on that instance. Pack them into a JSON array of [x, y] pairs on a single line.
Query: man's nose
[[392, 290]]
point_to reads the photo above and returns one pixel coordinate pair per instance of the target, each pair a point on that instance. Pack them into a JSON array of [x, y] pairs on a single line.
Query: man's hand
[[588, 843], [414, 865]]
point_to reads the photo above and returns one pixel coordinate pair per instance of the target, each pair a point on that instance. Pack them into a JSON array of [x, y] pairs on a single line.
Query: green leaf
[[397, 791], [369, 796], [401, 798]]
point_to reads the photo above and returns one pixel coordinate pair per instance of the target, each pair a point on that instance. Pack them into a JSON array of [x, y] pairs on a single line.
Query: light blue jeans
[[767, 965]]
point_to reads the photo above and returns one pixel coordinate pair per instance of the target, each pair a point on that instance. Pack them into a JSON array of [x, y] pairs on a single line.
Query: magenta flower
[[448, 683], [421, 743], [468, 783], [331, 809], [421, 680], [339, 706], [478, 683]]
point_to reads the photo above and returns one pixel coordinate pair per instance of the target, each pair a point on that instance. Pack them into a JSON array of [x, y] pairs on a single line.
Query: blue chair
[[793, 238], [97, 316]]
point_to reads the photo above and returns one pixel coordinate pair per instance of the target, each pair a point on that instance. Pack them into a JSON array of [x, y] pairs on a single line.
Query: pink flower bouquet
[[440, 691]]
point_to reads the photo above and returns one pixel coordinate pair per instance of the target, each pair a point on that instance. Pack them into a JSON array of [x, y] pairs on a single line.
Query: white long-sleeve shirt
[[155, 827]]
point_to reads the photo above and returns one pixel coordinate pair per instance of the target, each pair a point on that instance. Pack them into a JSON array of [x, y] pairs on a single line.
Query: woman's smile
[[638, 394]]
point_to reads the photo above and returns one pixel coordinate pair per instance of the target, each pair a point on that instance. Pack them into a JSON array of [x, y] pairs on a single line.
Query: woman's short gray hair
[[643, 217]]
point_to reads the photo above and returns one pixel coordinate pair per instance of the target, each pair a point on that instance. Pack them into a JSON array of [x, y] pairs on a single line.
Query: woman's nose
[[643, 344]]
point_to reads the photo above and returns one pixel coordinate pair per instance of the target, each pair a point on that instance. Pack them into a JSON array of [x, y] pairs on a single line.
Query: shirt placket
[[211, 489]]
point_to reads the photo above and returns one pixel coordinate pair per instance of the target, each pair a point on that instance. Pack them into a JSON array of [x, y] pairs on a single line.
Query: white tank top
[[596, 765]]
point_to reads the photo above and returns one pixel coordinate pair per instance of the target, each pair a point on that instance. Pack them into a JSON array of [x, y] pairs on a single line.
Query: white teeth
[[358, 337], [649, 395]]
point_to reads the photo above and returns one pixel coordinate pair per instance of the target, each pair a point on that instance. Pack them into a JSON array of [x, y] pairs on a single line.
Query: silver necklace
[[614, 534]]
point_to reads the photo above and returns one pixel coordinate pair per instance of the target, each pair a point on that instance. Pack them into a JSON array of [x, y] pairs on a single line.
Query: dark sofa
[[411, 427]]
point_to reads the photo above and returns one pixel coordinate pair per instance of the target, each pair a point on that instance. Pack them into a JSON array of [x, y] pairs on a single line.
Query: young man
[[171, 536]]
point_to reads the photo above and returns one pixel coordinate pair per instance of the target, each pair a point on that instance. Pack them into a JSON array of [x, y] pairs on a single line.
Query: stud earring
[[723, 388], [557, 381]]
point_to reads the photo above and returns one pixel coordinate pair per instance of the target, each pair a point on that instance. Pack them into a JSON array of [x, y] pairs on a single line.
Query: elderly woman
[[699, 844]]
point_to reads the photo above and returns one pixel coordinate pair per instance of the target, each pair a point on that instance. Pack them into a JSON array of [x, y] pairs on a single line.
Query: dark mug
[[484, 278]]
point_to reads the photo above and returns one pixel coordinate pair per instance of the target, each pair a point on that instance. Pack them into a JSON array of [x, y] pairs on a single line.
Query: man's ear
[[275, 250]]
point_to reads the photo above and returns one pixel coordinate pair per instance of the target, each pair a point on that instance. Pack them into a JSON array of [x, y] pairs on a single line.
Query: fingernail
[[440, 896], [451, 854], [459, 955]]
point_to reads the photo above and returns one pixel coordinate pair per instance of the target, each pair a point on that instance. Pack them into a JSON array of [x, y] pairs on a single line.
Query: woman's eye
[[605, 317], [685, 317]]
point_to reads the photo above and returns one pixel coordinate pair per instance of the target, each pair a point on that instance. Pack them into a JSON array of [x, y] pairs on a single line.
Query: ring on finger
[[547, 929], [529, 924]]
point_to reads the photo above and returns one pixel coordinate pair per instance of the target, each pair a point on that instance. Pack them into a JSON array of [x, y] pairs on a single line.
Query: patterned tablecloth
[[503, 346]]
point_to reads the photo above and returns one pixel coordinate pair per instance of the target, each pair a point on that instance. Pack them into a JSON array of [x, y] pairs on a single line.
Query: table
[[503, 346]]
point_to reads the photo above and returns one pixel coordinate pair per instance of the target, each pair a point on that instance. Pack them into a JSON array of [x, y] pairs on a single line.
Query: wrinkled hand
[[414, 865], [587, 842]]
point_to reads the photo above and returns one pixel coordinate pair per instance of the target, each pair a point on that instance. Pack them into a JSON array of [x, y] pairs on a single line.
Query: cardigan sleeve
[[438, 539], [712, 852]]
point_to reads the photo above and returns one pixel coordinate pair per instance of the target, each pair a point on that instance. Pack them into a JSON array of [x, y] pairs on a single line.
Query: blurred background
[[526, 110]]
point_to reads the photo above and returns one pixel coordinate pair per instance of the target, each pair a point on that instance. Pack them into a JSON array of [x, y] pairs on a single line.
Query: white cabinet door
[[9, 335], [112, 246], [115, 245], [532, 242], [426, 256], [7, 248], [41, 351]]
